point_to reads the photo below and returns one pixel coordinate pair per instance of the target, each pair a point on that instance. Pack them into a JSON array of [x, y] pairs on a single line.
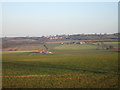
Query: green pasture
[[70, 66], [75, 47], [115, 44]]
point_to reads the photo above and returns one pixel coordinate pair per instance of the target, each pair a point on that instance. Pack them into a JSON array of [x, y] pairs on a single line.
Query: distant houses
[[55, 38]]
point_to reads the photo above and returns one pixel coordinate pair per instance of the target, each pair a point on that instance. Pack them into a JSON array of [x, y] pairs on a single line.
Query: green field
[[70, 66]]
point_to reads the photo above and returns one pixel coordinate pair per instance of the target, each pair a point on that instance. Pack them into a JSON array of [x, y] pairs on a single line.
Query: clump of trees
[[103, 46]]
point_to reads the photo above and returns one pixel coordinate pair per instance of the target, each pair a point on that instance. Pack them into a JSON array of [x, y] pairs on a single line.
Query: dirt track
[[43, 75]]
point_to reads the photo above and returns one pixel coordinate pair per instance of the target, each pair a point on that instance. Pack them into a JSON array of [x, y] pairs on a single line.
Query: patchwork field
[[70, 66]]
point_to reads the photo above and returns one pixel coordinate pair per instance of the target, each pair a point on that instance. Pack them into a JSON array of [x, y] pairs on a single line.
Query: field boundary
[[45, 75], [55, 75]]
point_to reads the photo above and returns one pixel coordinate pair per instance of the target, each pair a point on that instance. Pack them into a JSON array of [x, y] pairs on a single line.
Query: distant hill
[[14, 42]]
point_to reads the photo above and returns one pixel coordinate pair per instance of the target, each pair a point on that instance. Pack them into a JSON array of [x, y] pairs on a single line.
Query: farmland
[[70, 66]]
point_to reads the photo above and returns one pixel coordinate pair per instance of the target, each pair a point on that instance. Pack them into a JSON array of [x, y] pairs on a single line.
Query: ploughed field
[[70, 66]]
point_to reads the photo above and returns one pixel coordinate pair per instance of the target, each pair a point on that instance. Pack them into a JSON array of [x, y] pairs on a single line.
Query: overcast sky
[[51, 18]]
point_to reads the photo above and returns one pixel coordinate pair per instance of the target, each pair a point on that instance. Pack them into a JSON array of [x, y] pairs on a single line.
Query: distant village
[[84, 37], [58, 39]]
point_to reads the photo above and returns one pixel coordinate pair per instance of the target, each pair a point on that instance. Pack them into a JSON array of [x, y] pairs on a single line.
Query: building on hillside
[[55, 37], [82, 42], [78, 42], [42, 51]]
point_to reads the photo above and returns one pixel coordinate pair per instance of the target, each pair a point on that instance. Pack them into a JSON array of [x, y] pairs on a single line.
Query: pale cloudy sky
[[50, 18]]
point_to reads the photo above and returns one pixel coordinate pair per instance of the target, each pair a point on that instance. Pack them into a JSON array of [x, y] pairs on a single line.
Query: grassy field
[[70, 66]]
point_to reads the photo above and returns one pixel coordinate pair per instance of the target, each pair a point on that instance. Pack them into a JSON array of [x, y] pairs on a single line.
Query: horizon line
[[60, 34]]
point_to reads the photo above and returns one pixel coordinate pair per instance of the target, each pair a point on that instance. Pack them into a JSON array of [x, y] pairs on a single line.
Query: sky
[[51, 18], [59, 0]]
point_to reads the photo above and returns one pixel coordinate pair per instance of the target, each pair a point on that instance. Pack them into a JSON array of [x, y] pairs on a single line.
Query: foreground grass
[[83, 80], [62, 71]]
